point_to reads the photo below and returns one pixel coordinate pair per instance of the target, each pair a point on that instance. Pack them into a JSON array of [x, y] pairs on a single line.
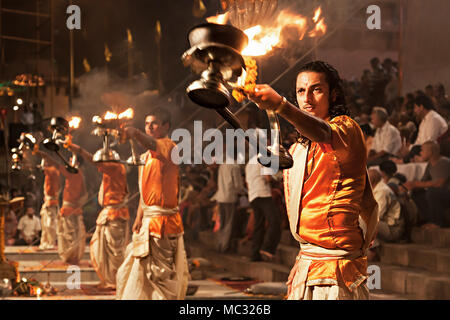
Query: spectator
[[432, 124], [391, 224], [388, 169], [264, 243], [229, 185], [377, 83], [429, 92], [387, 140], [432, 193], [441, 97], [29, 228], [391, 89]]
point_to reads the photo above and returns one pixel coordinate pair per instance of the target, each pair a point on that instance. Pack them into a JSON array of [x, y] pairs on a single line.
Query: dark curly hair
[[338, 106]]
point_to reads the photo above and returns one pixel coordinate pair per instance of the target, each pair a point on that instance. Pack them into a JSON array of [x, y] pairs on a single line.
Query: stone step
[[286, 255], [439, 238], [22, 253], [241, 265], [384, 295], [419, 284], [424, 257], [57, 271]]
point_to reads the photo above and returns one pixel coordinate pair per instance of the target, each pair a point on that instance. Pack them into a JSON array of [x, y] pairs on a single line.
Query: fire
[[264, 39], [317, 14], [110, 115], [219, 19], [97, 119], [127, 114], [320, 27], [74, 122]]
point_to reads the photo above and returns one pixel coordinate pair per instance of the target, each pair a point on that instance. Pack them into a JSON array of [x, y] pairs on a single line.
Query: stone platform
[[418, 270], [46, 265]]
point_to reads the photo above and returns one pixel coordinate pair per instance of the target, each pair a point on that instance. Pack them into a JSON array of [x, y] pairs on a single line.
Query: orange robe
[[74, 193], [159, 180], [52, 186], [113, 189], [335, 193]]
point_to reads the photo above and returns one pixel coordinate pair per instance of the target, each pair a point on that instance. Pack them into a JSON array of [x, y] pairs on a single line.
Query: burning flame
[[317, 14], [110, 115], [74, 122], [127, 114], [264, 39], [320, 27], [96, 119], [219, 19]]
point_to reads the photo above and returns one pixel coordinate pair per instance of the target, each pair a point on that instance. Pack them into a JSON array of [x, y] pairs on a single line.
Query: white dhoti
[[107, 247], [49, 221], [71, 238], [323, 289], [154, 268]]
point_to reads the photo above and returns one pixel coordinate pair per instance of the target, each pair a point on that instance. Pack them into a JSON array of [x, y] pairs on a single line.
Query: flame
[[74, 122], [110, 115], [262, 39], [127, 114], [320, 28], [97, 119], [317, 14], [219, 19]]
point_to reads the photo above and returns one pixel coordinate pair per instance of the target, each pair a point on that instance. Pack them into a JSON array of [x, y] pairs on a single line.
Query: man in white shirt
[[29, 227], [432, 127], [432, 124], [264, 244], [229, 185], [387, 140]]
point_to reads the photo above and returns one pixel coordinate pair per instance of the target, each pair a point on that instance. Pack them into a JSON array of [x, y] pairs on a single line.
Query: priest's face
[[313, 93], [155, 128]]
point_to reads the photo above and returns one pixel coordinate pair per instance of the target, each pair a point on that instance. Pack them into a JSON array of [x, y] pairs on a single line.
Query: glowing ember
[[219, 19], [127, 114], [74, 122]]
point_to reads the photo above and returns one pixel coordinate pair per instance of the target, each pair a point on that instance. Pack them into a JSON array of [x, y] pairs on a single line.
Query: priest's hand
[[266, 97], [129, 132]]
